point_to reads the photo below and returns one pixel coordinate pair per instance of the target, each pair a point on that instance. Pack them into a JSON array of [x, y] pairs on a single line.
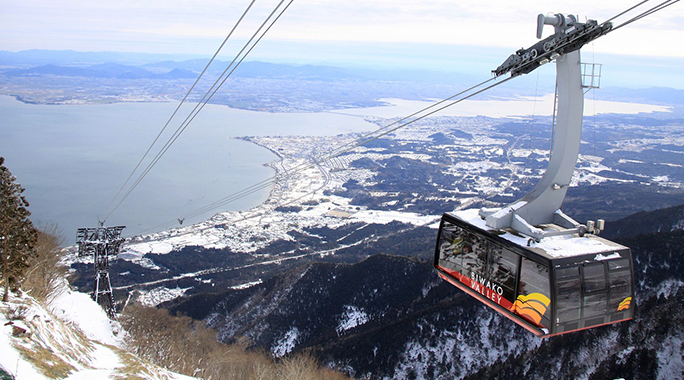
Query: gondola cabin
[[561, 284]]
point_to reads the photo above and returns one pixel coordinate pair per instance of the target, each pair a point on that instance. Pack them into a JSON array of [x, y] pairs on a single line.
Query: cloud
[[186, 26]]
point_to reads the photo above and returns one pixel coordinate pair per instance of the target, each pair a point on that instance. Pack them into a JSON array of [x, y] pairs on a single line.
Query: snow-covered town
[[476, 161]]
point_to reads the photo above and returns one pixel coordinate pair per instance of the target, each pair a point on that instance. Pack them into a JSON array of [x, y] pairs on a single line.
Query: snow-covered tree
[[17, 234]]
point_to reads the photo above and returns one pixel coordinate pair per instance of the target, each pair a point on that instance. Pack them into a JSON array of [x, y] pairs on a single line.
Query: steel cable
[[205, 99], [649, 12], [371, 136], [181, 102]]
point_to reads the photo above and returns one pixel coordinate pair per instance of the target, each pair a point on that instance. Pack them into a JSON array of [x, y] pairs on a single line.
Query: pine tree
[[17, 234]]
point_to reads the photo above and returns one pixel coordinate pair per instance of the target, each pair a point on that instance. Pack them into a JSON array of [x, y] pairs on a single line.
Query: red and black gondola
[[558, 285]]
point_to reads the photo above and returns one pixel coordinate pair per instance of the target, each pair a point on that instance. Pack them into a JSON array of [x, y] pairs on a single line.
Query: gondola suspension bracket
[[543, 204], [569, 35]]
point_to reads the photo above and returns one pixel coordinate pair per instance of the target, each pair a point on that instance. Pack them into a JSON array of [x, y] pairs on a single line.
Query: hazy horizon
[[435, 35], [618, 70]]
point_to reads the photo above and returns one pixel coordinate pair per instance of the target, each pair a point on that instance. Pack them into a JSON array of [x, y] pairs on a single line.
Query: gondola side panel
[[474, 261]]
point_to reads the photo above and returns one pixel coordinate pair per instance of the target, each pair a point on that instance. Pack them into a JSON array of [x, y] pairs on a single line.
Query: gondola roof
[[554, 247]]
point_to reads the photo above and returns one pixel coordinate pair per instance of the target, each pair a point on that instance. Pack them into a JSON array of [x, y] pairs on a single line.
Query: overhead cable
[[626, 11], [181, 102], [657, 8], [395, 125], [208, 95]]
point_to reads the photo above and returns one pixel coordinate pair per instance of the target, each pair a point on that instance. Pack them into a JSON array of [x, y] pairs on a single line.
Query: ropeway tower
[[103, 244]]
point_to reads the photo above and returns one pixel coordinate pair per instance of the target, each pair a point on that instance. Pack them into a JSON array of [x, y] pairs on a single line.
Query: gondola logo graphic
[[531, 307], [624, 305]]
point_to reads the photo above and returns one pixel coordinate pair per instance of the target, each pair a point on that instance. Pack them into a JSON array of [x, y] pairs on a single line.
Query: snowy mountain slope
[[317, 303], [72, 340], [668, 219], [385, 317], [391, 317]]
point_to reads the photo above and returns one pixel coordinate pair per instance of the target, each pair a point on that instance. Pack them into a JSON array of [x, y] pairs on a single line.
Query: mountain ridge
[[647, 222], [103, 70]]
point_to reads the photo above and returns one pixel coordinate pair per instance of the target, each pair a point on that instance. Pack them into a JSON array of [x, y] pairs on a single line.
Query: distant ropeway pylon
[[102, 243]]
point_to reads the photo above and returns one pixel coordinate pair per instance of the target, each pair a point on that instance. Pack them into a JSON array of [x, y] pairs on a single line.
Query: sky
[[430, 34]]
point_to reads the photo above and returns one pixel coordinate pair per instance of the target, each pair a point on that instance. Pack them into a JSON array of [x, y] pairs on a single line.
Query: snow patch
[[87, 315], [350, 318], [667, 287], [384, 217], [600, 257], [670, 359], [678, 226], [286, 344], [159, 295], [246, 285]]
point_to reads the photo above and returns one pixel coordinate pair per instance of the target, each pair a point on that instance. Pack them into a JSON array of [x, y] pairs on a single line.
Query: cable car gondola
[[530, 261], [561, 284]]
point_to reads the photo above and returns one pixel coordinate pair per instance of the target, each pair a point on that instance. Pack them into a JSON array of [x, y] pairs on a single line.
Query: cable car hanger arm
[[542, 205]]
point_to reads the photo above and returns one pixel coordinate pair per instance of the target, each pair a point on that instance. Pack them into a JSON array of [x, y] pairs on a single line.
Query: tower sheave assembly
[[103, 244]]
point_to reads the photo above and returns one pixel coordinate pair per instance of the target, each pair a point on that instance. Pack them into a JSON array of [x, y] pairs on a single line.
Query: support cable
[[213, 91], [380, 132], [181, 103], [210, 93], [649, 12], [626, 11], [345, 148]]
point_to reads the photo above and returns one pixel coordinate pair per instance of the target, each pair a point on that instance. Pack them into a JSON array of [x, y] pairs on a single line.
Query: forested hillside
[[391, 317]]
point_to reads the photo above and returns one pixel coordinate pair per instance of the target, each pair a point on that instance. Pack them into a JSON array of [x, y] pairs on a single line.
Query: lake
[[509, 107], [72, 159]]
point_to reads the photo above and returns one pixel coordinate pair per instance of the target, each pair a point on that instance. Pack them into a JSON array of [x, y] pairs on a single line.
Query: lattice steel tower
[[102, 243]]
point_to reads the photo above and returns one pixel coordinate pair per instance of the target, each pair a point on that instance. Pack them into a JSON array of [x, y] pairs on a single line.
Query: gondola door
[[568, 298]]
